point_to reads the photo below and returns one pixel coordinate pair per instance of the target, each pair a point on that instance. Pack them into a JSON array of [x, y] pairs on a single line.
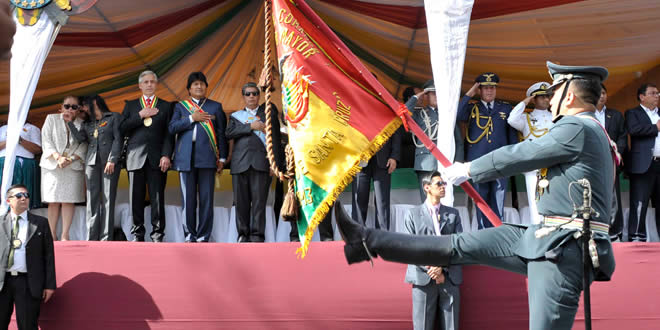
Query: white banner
[[448, 22], [31, 46]]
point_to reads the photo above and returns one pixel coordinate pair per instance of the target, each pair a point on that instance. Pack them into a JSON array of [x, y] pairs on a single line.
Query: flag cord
[[289, 210]]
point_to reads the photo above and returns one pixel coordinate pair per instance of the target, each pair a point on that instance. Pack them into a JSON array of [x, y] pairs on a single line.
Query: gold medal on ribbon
[[96, 133], [17, 243], [148, 121], [544, 183]]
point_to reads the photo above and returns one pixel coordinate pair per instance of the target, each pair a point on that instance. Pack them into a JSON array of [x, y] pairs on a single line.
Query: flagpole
[[395, 106]]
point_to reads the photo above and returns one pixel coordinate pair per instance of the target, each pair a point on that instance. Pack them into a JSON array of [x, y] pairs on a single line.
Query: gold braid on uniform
[[532, 130], [486, 129]]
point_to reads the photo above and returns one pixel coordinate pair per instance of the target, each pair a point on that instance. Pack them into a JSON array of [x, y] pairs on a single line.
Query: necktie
[[489, 106], [149, 103], [14, 234]]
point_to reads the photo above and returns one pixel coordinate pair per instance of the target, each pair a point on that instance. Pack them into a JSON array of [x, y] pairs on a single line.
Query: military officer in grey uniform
[[427, 119], [549, 254]]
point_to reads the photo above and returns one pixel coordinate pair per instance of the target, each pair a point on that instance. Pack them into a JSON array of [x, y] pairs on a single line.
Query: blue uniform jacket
[[502, 134]]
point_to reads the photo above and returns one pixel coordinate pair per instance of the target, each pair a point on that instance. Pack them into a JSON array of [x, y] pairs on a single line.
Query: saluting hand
[[473, 90], [148, 112], [528, 99], [201, 116]]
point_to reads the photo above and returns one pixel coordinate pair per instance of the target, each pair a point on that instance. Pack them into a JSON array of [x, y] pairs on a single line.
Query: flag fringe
[[323, 208]]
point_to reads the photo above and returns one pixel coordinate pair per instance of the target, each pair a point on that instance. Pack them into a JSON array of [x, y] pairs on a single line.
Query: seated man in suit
[[250, 169], [27, 269], [200, 151], [148, 154], [435, 292], [643, 160]]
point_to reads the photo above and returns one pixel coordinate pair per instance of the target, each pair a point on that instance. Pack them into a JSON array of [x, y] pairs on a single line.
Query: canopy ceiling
[[104, 49]]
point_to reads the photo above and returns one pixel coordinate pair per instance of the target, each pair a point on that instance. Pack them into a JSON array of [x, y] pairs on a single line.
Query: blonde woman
[[62, 165]]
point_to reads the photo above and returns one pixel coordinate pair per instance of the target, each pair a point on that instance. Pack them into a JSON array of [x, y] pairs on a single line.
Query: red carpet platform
[[120, 285]]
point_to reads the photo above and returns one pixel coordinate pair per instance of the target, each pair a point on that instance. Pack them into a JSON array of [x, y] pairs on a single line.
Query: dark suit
[[196, 163], [616, 129], [145, 146], [250, 172], [26, 291], [101, 187], [376, 169], [643, 169], [479, 142], [434, 303]]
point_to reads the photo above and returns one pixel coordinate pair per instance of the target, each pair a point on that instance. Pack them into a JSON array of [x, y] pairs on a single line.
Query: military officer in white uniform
[[532, 125]]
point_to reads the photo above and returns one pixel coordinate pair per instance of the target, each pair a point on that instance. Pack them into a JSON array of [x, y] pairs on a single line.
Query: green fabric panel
[[318, 195]]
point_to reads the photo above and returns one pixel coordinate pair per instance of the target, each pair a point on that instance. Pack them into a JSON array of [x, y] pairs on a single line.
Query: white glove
[[457, 173]]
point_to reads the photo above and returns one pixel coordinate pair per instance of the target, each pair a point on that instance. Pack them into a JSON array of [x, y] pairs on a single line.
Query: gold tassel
[[290, 207]]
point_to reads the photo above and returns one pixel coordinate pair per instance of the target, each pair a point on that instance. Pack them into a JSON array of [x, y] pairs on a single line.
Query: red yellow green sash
[[153, 104], [192, 107]]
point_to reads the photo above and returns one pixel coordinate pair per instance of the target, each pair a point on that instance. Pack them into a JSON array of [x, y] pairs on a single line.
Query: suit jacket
[[39, 254], [502, 134], [418, 221], [642, 140], [181, 125], [146, 143], [391, 149], [424, 160], [249, 151], [108, 143], [54, 138]]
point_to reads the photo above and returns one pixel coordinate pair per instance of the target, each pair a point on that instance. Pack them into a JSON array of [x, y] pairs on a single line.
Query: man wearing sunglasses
[[250, 168], [27, 271], [435, 291]]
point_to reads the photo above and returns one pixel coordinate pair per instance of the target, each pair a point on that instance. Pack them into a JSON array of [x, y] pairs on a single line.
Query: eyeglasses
[[439, 183], [70, 106], [20, 195], [251, 93]]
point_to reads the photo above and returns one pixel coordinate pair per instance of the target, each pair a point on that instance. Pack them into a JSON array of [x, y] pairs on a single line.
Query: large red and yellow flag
[[336, 118]]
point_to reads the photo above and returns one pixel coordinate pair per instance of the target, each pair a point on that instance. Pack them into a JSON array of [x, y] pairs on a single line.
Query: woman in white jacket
[[62, 165]]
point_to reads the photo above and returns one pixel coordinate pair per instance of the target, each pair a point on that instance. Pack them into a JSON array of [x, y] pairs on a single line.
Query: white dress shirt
[[600, 115], [28, 133], [434, 211], [492, 104], [19, 254], [653, 115], [194, 137]]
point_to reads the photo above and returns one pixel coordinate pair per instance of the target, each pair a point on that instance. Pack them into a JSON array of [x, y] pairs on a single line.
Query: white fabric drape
[[448, 22], [28, 53]]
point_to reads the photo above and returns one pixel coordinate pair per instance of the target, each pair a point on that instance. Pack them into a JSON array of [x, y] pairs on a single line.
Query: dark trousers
[[16, 291], [101, 194], [616, 228], [155, 180], [493, 193], [250, 196], [643, 187], [361, 186], [198, 181], [325, 228]]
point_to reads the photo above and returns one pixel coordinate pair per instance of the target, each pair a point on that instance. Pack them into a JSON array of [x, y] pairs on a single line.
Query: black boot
[[363, 244]]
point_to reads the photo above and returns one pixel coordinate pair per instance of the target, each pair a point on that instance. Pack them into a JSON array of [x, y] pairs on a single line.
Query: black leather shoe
[[354, 236], [242, 239], [326, 239], [157, 240], [138, 239]]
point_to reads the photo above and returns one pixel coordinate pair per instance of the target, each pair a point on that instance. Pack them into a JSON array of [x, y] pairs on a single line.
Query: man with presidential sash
[[200, 151], [148, 154], [250, 169], [532, 125], [487, 130]]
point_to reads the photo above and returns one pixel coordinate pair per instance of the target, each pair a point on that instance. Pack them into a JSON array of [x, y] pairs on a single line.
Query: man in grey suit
[[427, 119], [550, 253], [250, 169], [435, 291], [27, 266]]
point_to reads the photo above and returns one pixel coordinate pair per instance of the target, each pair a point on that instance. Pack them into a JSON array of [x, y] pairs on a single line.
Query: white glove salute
[[457, 173]]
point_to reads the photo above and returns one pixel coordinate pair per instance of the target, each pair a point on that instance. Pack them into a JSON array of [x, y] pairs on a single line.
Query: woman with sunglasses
[[101, 132], [62, 183]]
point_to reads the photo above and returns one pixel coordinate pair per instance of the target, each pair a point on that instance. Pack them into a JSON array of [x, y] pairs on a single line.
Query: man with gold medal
[[532, 125], [149, 147]]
